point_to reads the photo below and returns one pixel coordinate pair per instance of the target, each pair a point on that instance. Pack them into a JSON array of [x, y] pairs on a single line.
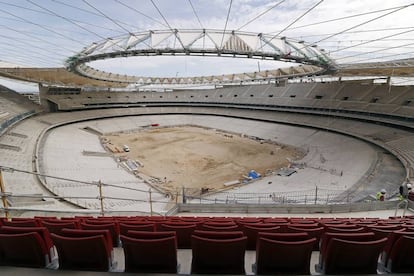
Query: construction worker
[[405, 189], [381, 195]]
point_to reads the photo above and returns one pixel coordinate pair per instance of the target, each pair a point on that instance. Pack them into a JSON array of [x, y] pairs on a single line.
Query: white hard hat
[[383, 191], [409, 186]]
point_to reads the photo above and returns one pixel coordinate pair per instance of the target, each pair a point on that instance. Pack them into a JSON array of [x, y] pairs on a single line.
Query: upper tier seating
[[358, 96]]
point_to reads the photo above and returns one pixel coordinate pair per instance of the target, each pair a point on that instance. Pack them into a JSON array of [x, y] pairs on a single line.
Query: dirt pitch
[[196, 157]]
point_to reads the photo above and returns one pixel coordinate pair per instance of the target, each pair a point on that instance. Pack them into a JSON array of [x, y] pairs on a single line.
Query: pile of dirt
[[195, 157]]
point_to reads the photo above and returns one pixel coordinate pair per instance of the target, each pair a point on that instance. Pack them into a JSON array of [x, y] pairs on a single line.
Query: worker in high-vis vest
[[381, 195]]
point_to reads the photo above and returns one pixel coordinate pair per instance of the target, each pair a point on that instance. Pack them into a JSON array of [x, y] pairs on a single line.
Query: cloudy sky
[[44, 33]]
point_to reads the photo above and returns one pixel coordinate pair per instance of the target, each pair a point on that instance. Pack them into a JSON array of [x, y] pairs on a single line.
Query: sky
[[44, 33]]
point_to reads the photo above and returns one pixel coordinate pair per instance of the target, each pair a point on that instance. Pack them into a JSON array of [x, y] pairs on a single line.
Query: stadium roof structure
[[63, 77], [201, 42], [53, 41]]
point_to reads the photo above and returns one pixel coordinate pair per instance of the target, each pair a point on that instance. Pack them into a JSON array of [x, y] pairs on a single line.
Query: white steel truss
[[202, 42]]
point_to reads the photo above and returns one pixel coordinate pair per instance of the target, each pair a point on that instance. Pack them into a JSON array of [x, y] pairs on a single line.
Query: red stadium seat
[[150, 255], [24, 249], [150, 235], [218, 234], [56, 228], [82, 253], [124, 227], [218, 256], [335, 229], [283, 257], [79, 233], [312, 232], [252, 232], [304, 225], [300, 236], [351, 257], [22, 223], [392, 239], [183, 233], [219, 223], [112, 227], [42, 231], [226, 228], [400, 258], [326, 237]]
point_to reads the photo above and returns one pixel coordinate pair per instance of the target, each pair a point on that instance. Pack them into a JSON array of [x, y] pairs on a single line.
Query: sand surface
[[196, 157]]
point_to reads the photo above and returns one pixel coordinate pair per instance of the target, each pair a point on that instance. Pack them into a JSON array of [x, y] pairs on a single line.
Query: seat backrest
[[218, 234], [82, 253], [346, 229], [284, 257], [22, 223], [23, 249], [392, 239], [260, 225], [124, 227], [208, 227], [219, 224], [42, 231], [251, 233], [150, 235], [299, 236], [304, 225], [277, 221], [386, 226], [400, 258], [248, 220], [183, 233], [218, 256], [150, 255], [326, 237], [56, 227], [352, 257], [312, 232], [78, 233], [381, 233], [112, 227]]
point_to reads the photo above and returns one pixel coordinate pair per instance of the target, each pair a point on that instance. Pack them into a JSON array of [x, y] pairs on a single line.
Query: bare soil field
[[195, 157]]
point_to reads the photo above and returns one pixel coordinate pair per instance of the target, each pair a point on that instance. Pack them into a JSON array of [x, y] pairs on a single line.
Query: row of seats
[[340, 95], [218, 244], [213, 252]]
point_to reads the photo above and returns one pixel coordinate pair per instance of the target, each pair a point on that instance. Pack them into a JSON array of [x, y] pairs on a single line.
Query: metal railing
[[99, 203], [310, 196]]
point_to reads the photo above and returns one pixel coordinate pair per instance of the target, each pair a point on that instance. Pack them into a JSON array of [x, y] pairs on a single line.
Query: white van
[[125, 148]]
